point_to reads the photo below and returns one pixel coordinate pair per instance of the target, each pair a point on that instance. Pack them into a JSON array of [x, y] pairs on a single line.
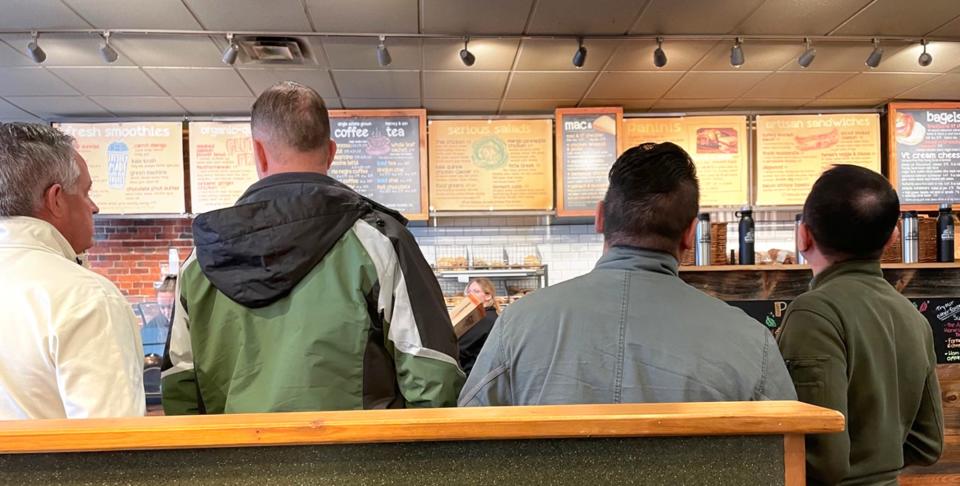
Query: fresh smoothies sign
[[135, 167]]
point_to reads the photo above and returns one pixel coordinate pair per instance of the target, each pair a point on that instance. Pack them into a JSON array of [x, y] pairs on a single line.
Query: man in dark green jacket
[[854, 344], [305, 295]]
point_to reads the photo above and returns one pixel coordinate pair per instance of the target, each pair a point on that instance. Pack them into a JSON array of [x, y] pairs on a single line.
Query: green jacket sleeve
[[924, 443], [180, 391], [489, 381], [816, 359]]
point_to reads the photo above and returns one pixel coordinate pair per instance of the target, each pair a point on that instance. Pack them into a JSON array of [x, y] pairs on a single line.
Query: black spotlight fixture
[[809, 53], [107, 52], [659, 57], [231, 52], [466, 56], [736, 53], [925, 58], [35, 51], [383, 55], [873, 60], [580, 57]]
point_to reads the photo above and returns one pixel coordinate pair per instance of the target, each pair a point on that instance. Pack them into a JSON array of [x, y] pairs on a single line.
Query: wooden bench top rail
[[373, 426], [786, 268]]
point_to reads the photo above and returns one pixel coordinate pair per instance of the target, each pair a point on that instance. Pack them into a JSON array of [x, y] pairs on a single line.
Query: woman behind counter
[[472, 342]]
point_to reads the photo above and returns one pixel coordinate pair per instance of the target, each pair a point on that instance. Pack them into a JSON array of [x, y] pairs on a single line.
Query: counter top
[[787, 268]]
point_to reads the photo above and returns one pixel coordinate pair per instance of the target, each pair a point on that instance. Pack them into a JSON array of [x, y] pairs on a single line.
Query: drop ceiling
[[183, 75]]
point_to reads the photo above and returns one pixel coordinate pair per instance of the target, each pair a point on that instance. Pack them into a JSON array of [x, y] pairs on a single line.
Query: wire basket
[[488, 257], [451, 257], [524, 256]]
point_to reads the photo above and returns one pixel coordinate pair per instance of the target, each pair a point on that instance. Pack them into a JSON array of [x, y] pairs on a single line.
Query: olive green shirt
[[856, 345]]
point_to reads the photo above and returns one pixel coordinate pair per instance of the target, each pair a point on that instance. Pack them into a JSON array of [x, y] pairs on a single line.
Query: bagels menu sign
[[925, 152]]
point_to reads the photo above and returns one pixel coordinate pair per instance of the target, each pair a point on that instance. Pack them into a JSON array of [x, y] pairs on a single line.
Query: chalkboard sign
[[768, 312], [587, 146], [381, 154], [925, 152]]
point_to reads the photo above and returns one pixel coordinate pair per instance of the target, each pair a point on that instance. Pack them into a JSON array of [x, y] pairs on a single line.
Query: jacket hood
[[258, 250]]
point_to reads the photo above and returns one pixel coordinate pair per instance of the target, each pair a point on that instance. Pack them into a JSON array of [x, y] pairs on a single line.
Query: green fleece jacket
[[854, 344]]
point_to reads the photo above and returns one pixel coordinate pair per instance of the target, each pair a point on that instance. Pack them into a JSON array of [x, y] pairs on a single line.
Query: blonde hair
[[488, 288]]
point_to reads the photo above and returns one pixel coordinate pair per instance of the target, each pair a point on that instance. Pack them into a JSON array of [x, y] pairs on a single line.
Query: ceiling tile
[[361, 53], [849, 103], [536, 106], [633, 85], [10, 113], [796, 85], [463, 85], [693, 16], [714, 85], [170, 51], [69, 49], [579, 17], [58, 107], [113, 14], [11, 56], [811, 17], [757, 56], [257, 15], [363, 104], [378, 16], [950, 29], [119, 81], [557, 54], [637, 55], [768, 103], [140, 105], [692, 105], [39, 14], [490, 54], [946, 57], [199, 81], [209, 106], [32, 81], [842, 57], [461, 106], [631, 105], [261, 79], [946, 87], [378, 84], [877, 85], [549, 85], [473, 17], [899, 17]]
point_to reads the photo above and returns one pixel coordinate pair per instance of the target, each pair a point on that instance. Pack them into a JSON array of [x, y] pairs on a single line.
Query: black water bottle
[[945, 233], [747, 236]]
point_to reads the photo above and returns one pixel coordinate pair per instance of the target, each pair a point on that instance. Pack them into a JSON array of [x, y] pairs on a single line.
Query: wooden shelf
[[787, 268]]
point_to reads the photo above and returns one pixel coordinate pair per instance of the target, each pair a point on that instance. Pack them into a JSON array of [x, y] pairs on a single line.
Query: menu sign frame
[[895, 148], [228, 148], [421, 115], [562, 115]]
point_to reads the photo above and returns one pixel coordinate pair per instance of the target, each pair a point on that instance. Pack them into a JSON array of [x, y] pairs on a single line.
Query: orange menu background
[[221, 164]]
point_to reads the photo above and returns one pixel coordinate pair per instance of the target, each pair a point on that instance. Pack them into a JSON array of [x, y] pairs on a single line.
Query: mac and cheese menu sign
[[925, 151], [221, 164], [587, 146], [491, 165], [382, 155], [137, 168], [717, 144], [793, 150]]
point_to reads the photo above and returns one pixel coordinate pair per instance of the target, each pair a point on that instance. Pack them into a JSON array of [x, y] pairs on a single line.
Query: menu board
[[717, 144], [136, 167], [381, 154], [944, 317], [489, 165], [925, 152], [587, 146], [793, 150], [221, 164]]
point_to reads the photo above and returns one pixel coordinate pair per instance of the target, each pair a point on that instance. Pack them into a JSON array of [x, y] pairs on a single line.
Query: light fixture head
[[35, 51], [659, 57], [809, 53], [231, 52], [925, 58], [580, 57], [383, 55], [736, 53], [107, 52], [873, 60], [466, 56]]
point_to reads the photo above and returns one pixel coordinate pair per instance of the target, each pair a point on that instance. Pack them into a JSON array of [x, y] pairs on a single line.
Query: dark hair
[[294, 114], [851, 212], [653, 197]]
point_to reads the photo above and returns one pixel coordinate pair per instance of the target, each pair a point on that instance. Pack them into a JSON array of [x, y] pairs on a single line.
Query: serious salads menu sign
[[587, 146], [925, 152]]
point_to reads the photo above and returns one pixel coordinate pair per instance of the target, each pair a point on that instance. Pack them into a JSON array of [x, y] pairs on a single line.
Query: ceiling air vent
[[275, 50]]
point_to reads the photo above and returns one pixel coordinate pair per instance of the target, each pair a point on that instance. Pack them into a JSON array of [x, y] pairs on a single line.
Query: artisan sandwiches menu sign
[[587, 146], [221, 164], [718, 146], [489, 165], [793, 150], [925, 152], [382, 155], [137, 168]]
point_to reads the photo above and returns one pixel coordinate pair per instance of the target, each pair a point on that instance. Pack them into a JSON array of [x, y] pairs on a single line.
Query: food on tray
[[605, 124], [452, 262], [531, 261], [817, 141], [909, 132], [716, 140]]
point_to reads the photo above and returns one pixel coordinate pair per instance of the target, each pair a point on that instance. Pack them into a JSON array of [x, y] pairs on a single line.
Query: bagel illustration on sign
[[489, 153]]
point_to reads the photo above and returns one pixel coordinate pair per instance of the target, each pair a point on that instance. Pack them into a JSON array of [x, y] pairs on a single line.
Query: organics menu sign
[[491, 165], [221, 164], [382, 155], [925, 152], [793, 150], [587, 146], [718, 146], [135, 167]]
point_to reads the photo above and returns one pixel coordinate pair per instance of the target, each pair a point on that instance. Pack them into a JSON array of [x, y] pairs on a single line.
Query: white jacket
[[69, 341]]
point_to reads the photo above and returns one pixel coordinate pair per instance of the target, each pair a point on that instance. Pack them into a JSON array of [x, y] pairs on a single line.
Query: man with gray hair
[[71, 343], [305, 295]]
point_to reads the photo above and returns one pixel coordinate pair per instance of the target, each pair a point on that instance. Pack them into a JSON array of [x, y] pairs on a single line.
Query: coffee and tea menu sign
[[925, 152], [587, 146], [221, 164], [793, 150], [137, 168], [718, 146], [491, 165], [382, 155]]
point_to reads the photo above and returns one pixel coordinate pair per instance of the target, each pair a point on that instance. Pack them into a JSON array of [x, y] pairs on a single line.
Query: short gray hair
[[294, 114], [33, 157]]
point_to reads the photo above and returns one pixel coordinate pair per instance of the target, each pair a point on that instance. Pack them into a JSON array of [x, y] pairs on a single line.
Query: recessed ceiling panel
[[529, 85], [117, 14], [261, 79], [378, 84], [214, 82], [715, 85], [475, 17], [461, 85], [119, 81], [374, 16], [254, 15]]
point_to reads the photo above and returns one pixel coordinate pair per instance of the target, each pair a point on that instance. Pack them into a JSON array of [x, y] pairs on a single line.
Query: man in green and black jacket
[[305, 295]]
